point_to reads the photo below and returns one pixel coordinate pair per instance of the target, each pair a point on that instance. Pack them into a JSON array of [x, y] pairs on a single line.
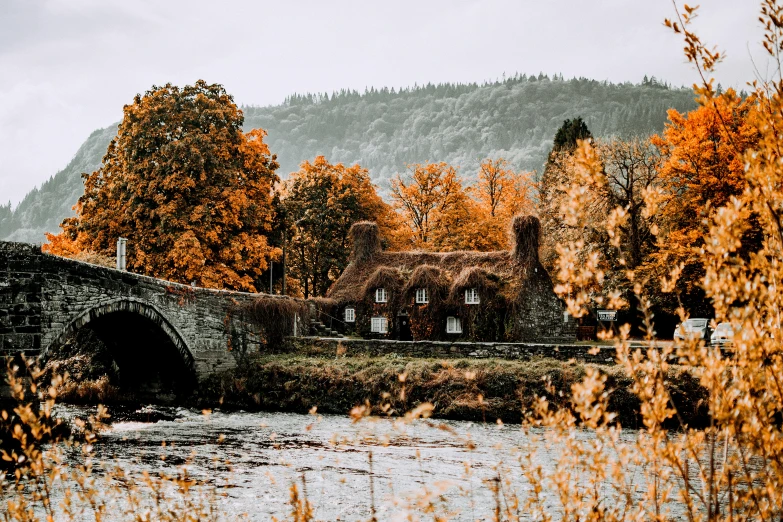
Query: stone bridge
[[159, 333]]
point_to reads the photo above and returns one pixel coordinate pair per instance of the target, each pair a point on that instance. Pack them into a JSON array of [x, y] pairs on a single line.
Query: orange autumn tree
[[702, 169], [185, 185], [500, 194], [321, 201], [434, 205], [443, 215]]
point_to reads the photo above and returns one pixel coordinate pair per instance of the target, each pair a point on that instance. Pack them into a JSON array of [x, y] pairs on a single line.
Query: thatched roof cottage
[[481, 296]]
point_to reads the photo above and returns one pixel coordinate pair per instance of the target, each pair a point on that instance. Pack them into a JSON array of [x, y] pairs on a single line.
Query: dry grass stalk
[[53, 470]]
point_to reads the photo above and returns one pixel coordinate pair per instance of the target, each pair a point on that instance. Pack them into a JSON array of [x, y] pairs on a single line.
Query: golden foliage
[[54, 477], [724, 162], [703, 168], [500, 194], [432, 201], [62, 245], [321, 202], [189, 190], [443, 215]]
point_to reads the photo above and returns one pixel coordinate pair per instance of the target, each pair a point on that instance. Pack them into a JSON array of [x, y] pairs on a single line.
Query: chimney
[[526, 231], [121, 253], [366, 240]]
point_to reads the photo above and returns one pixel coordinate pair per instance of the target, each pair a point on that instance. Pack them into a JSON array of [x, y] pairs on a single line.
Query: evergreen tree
[[569, 133], [554, 177], [5, 218]]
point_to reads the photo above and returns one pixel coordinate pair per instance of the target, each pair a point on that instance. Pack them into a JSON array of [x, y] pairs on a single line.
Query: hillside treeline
[[460, 124], [386, 129]]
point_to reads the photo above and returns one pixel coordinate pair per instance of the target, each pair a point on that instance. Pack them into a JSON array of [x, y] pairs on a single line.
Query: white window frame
[[422, 296], [472, 296], [453, 325], [350, 314], [379, 325], [380, 295]]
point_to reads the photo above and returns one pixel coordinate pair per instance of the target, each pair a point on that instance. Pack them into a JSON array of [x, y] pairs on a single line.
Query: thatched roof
[[473, 277], [430, 277], [383, 277], [350, 287], [404, 270]]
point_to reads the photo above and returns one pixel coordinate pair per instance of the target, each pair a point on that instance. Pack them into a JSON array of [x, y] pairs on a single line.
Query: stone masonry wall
[[323, 347], [42, 297], [539, 315], [21, 283]]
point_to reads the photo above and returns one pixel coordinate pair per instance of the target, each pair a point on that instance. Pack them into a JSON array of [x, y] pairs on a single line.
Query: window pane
[[378, 325], [453, 325]]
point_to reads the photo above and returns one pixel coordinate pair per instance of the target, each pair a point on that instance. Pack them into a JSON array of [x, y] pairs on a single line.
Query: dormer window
[[350, 315], [422, 297], [453, 325], [472, 296], [380, 295]]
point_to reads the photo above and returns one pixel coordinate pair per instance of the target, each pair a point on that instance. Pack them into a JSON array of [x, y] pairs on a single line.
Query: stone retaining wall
[[326, 347]]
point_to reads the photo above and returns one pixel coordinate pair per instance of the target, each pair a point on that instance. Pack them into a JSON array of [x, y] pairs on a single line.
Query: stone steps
[[321, 330]]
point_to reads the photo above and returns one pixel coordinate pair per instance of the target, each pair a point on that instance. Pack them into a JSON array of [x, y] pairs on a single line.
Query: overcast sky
[[67, 67]]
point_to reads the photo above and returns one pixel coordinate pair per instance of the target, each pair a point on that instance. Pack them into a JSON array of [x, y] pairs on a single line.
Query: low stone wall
[[327, 347]]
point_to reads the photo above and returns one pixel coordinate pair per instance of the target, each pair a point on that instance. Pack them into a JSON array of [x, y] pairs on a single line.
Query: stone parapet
[[43, 298]]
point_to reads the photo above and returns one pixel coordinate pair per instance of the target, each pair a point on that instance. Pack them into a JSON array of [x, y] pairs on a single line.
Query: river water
[[448, 465]]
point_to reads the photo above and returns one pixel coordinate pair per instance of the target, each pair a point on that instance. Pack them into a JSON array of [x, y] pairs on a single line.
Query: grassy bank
[[464, 389]]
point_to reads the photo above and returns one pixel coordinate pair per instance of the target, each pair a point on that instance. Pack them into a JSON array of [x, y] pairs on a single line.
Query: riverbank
[[459, 389], [477, 387]]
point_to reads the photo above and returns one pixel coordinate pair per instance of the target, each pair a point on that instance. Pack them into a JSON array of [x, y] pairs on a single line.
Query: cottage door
[[404, 328]]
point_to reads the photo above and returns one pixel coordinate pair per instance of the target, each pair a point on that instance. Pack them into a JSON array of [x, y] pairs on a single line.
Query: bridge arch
[[140, 312]]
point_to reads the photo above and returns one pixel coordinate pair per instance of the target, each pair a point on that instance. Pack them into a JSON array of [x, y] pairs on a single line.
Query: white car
[[723, 334], [692, 329]]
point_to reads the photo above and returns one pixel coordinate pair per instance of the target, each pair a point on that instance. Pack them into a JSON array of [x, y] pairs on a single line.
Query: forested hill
[[386, 129], [459, 124]]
